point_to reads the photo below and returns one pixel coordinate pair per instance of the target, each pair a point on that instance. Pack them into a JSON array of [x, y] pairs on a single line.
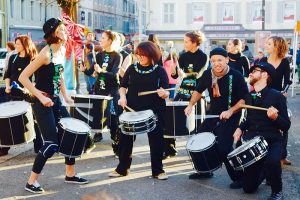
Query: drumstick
[[207, 116], [253, 107], [80, 105], [130, 109], [151, 92]]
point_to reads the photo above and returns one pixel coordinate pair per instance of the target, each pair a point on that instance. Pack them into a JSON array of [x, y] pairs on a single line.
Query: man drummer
[[226, 89], [270, 124]]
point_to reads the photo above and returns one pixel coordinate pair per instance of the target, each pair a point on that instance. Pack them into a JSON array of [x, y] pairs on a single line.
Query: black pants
[[47, 119], [268, 167], [285, 141], [223, 131], [156, 144]]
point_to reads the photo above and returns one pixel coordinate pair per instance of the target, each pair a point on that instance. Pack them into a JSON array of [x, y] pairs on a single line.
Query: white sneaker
[[161, 176]]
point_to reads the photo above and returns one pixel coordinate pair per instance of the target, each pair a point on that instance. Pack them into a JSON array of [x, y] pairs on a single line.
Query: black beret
[[218, 51]]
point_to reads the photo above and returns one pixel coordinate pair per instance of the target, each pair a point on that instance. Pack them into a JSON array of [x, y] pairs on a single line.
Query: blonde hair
[[281, 46]]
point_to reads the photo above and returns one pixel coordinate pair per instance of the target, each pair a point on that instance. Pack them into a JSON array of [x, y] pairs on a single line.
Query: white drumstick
[[207, 116], [80, 105], [130, 109], [151, 92]]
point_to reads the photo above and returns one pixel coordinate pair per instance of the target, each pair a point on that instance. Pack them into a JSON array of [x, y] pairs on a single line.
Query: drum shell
[[177, 124], [71, 144], [17, 129], [247, 156], [141, 127], [99, 112]]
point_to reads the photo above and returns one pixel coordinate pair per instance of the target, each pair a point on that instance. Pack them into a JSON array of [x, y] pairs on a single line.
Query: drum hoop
[[72, 131], [212, 170], [151, 122], [201, 149], [134, 122], [15, 115], [250, 145], [92, 96], [255, 159], [140, 132]]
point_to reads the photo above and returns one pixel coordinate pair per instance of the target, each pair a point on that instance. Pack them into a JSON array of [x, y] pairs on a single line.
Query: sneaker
[[76, 179], [115, 174], [236, 185], [161, 176], [90, 149], [201, 175], [98, 137], [276, 196], [34, 188]]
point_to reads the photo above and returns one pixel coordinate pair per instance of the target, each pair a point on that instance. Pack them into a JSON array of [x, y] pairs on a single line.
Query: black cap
[[267, 67], [50, 26], [218, 51]]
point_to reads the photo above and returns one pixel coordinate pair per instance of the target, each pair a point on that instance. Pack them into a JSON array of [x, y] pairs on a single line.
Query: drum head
[[13, 108], [245, 146], [74, 125], [136, 116], [84, 96], [177, 103], [201, 141]]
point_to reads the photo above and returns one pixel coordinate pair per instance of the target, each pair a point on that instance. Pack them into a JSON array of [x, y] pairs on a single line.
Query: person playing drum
[[144, 76], [226, 88], [270, 124], [48, 67]]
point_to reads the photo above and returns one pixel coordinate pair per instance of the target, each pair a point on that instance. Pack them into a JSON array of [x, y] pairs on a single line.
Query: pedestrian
[[48, 67]]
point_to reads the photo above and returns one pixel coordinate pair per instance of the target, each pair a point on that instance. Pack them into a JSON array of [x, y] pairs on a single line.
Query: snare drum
[[72, 134], [16, 122], [93, 110], [248, 153], [177, 123], [203, 151], [133, 123]]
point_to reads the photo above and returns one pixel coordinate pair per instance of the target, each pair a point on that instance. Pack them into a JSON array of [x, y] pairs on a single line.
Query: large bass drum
[[16, 122]]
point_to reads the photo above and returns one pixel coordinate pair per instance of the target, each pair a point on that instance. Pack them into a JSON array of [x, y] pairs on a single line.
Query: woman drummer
[[144, 76], [48, 66]]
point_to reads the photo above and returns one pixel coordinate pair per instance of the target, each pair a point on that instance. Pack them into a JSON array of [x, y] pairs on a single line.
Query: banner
[[198, 13], [228, 13], [289, 11]]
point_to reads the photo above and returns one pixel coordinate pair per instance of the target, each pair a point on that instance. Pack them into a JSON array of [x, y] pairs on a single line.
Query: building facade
[[221, 20]]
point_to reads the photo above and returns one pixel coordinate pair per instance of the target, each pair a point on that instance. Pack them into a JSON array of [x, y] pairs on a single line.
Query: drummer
[[270, 124], [226, 89], [144, 76], [48, 66]]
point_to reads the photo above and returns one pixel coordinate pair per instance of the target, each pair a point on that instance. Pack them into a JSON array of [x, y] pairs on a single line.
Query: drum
[[133, 123], [177, 124], [248, 153], [72, 134], [93, 110], [16, 122], [203, 152]]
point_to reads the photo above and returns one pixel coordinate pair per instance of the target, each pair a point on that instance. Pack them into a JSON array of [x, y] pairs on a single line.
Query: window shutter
[[189, 14], [280, 5]]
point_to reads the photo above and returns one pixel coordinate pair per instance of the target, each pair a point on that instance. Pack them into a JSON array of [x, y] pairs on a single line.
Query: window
[[22, 9], [32, 10], [168, 13], [89, 19], [12, 6]]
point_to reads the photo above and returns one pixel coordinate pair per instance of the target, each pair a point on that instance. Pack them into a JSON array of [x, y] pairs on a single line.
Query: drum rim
[[212, 170], [201, 149], [72, 131], [90, 96], [173, 103], [255, 159], [150, 117], [15, 115]]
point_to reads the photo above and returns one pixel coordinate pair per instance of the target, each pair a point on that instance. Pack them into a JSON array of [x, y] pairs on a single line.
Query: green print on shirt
[[58, 70]]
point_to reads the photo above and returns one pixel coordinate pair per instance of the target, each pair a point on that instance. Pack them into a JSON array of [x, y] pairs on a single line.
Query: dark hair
[[196, 37], [150, 50], [11, 45], [238, 43], [28, 45], [153, 38], [110, 34], [51, 38]]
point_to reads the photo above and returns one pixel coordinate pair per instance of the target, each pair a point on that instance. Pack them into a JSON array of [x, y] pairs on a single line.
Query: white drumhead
[[177, 103], [136, 116], [13, 108], [74, 125], [200, 141], [88, 96], [245, 146]]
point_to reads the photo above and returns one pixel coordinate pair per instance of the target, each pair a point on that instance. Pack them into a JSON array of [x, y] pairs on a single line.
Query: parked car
[[3, 53]]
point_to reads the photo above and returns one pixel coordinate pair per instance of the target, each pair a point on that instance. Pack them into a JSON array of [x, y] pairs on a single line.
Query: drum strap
[[230, 92]]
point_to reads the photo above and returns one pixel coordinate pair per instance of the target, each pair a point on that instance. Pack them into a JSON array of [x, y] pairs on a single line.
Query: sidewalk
[[15, 151]]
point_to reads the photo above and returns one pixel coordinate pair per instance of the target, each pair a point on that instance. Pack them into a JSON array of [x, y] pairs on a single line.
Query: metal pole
[[294, 60], [4, 12], [263, 13]]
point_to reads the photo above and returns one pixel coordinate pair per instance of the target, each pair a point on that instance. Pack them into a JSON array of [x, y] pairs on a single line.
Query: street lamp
[[263, 15]]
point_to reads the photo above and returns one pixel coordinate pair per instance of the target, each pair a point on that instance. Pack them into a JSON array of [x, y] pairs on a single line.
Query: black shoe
[[98, 137], [34, 188], [3, 153], [166, 156], [236, 185], [276, 196], [201, 175], [76, 179]]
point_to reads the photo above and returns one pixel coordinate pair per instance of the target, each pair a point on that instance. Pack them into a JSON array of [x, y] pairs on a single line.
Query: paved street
[[15, 169]]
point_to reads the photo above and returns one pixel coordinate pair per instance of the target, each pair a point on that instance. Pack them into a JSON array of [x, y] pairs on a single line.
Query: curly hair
[[196, 37], [280, 45]]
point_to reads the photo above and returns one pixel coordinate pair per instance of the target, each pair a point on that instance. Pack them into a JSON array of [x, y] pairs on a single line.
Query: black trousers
[[47, 119], [224, 133], [156, 144], [285, 141], [268, 167]]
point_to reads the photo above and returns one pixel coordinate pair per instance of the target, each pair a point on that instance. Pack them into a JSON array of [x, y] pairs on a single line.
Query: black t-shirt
[[16, 65], [220, 104], [138, 79], [282, 74]]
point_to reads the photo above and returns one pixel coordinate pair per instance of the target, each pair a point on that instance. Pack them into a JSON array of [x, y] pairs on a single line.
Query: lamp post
[[263, 13], [4, 27]]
